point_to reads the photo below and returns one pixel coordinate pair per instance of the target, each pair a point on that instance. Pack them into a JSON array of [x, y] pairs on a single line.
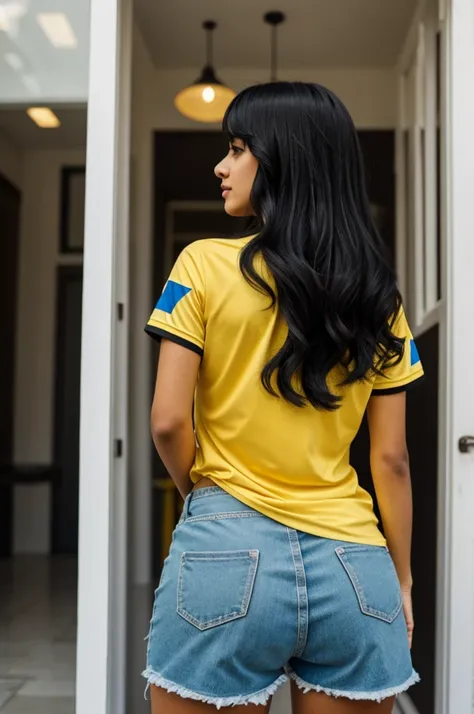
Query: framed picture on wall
[[73, 190]]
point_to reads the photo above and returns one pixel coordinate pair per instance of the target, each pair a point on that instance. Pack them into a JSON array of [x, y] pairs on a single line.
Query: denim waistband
[[206, 491], [225, 502]]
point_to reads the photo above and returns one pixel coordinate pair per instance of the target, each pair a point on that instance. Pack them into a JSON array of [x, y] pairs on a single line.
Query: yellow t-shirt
[[289, 463]]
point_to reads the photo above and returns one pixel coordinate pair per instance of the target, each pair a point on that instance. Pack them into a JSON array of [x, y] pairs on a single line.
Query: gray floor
[[37, 635], [38, 605], [38, 639]]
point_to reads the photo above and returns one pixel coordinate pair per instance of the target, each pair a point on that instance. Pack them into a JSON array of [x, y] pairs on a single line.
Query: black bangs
[[334, 285], [242, 116], [232, 123]]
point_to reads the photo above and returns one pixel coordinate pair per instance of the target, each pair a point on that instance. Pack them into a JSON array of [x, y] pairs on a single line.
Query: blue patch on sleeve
[[172, 294], [414, 356]]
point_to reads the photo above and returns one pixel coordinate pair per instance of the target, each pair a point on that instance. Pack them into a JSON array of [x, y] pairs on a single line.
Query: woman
[[282, 341]]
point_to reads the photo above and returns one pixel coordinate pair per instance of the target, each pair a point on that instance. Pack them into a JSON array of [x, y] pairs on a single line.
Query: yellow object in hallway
[[168, 512]]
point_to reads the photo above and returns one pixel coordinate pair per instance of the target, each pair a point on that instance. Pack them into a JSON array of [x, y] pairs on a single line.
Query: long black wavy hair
[[335, 288]]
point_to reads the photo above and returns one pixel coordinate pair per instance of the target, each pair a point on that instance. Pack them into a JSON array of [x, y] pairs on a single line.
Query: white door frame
[[101, 652], [455, 646], [455, 546]]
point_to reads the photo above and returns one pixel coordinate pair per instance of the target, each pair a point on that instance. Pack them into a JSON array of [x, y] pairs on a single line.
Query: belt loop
[[185, 511]]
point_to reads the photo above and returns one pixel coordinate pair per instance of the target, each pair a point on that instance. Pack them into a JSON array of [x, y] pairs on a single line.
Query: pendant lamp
[[274, 19], [208, 98]]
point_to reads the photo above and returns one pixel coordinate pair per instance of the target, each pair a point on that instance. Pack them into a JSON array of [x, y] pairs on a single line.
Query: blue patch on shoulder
[[172, 294], [414, 356]]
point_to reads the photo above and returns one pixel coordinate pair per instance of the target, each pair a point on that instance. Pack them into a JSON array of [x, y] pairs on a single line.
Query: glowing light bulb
[[208, 94]]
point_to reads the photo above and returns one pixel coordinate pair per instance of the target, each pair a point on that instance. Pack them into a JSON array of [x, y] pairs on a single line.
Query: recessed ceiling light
[[10, 14], [43, 117], [57, 29]]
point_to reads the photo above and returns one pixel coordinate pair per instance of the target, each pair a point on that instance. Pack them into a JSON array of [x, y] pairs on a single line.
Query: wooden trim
[[401, 212], [430, 319], [411, 41], [431, 177]]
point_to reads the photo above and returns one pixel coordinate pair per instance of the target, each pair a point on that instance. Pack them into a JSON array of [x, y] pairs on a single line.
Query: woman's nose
[[221, 171]]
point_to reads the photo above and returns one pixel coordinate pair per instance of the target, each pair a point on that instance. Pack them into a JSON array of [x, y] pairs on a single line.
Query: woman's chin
[[229, 208], [234, 210]]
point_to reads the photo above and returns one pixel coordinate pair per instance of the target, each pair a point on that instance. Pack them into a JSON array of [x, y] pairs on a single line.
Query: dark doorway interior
[[68, 368], [10, 200], [378, 149], [422, 432], [200, 152]]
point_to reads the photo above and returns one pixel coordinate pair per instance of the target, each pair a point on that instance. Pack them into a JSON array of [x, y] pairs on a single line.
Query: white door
[[101, 671], [456, 591], [435, 251]]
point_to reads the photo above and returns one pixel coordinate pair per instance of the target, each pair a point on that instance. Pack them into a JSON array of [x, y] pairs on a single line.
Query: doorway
[[67, 410], [10, 200], [455, 578]]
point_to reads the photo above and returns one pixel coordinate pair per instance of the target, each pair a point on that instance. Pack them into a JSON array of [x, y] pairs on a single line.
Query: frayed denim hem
[[367, 696], [258, 698]]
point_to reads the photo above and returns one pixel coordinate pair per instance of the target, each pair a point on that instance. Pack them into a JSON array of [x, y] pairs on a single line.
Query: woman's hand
[[408, 611]]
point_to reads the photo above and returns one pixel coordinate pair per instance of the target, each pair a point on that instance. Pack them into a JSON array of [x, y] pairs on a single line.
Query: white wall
[[35, 343], [369, 94], [11, 160]]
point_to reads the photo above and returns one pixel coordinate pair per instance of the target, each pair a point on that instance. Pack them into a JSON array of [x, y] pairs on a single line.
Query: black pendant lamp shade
[[207, 99]]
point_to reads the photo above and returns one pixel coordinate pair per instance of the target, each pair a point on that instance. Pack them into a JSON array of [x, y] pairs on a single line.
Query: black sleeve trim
[[157, 334], [398, 390]]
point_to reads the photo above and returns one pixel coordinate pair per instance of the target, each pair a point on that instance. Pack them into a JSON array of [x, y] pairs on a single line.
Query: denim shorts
[[244, 603]]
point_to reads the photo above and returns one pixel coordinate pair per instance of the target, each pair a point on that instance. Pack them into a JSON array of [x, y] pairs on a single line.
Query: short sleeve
[[179, 313], [399, 377]]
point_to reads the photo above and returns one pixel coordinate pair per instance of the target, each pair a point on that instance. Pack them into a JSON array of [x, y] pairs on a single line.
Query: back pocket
[[216, 587], [372, 573]]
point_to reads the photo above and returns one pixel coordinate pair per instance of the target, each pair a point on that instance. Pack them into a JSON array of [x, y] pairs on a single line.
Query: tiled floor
[[37, 635], [38, 639], [38, 606]]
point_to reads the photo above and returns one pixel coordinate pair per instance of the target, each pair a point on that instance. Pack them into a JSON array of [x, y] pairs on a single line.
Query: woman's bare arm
[[171, 412], [391, 475]]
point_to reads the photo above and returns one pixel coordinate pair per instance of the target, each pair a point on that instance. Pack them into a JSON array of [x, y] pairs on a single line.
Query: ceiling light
[[208, 94], [43, 117], [207, 99], [10, 15], [57, 29]]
